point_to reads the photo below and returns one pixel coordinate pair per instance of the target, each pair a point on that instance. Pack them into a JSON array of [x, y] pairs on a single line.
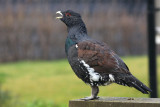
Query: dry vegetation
[[30, 31]]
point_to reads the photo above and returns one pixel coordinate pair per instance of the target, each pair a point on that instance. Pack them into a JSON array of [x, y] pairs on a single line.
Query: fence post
[[152, 47]]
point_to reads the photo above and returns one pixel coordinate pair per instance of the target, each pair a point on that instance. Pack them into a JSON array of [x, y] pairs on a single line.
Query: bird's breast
[[69, 43], [84, 71]]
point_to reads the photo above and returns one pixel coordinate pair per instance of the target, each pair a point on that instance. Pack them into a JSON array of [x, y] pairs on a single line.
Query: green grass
[[51, 83]]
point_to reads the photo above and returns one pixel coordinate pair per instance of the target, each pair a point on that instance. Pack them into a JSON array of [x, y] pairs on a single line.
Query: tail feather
[[131, 81], [139, 88], [139, 85]]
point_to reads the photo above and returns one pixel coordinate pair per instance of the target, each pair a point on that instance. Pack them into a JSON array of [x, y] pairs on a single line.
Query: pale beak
[[60, 13]]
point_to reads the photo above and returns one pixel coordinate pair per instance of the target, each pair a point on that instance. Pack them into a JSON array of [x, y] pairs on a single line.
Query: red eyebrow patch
[[67, 14]]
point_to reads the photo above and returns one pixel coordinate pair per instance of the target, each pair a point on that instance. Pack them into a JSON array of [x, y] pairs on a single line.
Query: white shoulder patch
[[111, 77], [76, 46]]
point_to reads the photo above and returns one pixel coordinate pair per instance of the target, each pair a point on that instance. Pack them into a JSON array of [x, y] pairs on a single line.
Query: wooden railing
[[117, 102]]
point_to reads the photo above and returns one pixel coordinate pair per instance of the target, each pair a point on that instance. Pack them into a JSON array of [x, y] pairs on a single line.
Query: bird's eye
[[67, 14]]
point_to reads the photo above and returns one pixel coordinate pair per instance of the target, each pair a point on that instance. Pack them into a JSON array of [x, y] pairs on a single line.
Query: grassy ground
[[52, 83]]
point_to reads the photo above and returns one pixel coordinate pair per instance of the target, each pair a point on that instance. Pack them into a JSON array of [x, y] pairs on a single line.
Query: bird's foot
[[90, 98]]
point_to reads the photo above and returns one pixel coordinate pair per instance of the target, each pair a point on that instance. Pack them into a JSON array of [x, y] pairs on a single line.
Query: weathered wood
[[117, 102]]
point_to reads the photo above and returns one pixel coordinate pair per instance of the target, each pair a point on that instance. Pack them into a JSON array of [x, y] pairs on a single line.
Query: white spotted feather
[[93, 75]]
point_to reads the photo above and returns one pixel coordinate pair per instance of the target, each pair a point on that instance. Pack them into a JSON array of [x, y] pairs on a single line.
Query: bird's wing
[[100, 57], [104, 61]]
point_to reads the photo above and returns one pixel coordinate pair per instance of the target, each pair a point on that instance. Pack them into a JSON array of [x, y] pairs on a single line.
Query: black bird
[[93, 61]]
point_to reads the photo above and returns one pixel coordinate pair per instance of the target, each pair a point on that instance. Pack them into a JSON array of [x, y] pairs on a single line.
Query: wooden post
[[117, 102]]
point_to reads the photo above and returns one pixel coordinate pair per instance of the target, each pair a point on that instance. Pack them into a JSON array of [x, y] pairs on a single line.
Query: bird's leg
[[95, 91]]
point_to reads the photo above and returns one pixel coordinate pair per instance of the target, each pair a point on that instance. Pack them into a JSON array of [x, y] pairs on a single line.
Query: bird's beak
[[60, 13]]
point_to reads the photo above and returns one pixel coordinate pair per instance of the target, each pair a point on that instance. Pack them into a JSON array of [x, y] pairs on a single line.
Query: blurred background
[[34, 71]]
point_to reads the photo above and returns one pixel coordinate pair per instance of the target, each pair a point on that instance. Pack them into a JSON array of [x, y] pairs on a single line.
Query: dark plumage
[[93, 61]]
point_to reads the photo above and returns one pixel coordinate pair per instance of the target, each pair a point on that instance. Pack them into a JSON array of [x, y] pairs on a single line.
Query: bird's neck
[[75, 35], [77, 32]]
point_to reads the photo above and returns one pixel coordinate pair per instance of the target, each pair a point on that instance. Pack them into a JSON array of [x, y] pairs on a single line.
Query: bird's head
[[69, 17]]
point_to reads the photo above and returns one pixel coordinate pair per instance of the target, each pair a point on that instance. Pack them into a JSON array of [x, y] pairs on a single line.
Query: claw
[[89, 98]]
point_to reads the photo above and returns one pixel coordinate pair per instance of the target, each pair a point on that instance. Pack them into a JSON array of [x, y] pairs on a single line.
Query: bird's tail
[[131, 81]]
